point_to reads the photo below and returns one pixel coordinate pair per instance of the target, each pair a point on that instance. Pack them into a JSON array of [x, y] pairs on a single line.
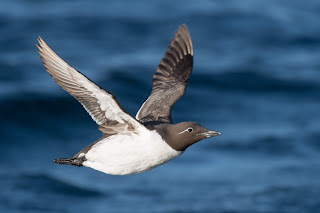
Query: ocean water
[[256, 79]]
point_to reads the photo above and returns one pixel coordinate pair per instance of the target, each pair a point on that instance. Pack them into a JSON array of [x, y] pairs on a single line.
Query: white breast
[[130, 153]]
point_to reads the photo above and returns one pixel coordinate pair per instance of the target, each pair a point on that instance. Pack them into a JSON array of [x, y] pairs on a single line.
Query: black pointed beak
[[209, 134]]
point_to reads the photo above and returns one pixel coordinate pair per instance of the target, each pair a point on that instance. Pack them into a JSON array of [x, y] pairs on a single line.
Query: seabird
[[133, 145]]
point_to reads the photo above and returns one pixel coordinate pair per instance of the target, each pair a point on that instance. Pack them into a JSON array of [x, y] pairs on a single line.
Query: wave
[[252, 82], [43, 184], [268, 145]]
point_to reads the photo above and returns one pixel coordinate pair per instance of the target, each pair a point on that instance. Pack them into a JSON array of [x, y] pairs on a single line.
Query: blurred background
[[256, 79]]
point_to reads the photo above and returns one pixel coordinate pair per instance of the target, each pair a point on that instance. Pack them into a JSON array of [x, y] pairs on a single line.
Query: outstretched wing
[[170, 80], [101, 105]]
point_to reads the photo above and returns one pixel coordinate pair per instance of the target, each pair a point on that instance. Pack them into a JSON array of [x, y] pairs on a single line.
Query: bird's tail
[[70, 161]]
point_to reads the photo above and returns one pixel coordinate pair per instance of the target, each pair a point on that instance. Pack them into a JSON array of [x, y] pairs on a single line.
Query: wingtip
[[38, 40], [183, 27], [41, 41]]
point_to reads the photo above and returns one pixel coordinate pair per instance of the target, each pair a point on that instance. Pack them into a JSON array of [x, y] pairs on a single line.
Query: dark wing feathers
[[170, 80], [169, 85]]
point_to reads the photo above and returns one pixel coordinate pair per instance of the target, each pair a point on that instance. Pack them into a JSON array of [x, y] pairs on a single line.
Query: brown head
[[180, 136]]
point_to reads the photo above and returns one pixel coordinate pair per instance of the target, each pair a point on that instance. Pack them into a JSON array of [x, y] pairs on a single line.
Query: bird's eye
[[190, 129]]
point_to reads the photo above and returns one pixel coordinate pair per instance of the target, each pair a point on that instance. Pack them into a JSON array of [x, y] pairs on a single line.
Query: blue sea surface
[[256, 79]]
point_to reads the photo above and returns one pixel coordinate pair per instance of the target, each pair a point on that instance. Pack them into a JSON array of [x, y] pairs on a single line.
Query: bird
[[131, 145]]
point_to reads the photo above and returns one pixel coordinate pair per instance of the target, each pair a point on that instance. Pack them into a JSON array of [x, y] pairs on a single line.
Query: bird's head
[[180, 136]]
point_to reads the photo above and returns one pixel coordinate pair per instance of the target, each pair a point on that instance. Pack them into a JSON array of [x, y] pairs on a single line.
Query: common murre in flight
[[133, 145]]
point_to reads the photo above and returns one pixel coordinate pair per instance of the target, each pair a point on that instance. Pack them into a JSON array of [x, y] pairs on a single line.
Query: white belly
[[125, 154]]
